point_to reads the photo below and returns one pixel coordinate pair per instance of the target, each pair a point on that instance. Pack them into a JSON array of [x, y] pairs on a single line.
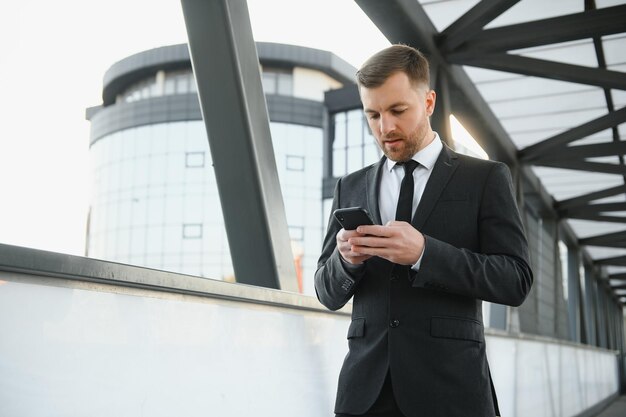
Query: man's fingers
[[352, 256], [344, 235], [373, 230], [382, 252], [396, 223], [369, 241], [387, 230]]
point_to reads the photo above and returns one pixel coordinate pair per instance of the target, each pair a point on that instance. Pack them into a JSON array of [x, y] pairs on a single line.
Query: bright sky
[[53, 55]]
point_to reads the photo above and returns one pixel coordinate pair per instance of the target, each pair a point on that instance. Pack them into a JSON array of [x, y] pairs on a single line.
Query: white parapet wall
[[125, 341], [540, 377]]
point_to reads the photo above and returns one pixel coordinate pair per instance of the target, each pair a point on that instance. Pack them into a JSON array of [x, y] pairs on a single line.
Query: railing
[[80, 337]]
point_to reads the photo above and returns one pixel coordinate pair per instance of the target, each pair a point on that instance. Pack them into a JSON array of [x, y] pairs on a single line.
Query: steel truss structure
[[466, 42]]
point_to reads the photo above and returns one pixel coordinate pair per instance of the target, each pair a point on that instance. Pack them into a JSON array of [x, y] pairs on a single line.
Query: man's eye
[[373, 116], [398, 111]]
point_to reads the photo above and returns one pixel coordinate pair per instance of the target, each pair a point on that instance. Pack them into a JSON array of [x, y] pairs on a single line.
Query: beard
[[405, 146]]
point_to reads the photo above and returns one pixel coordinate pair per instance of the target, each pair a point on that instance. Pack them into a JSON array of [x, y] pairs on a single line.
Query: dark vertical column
[[573, 296], [226, 67], [603, 323], [441, 117], [610, 317], [612, 303], [329, 138], [590, 307], [621, 346]]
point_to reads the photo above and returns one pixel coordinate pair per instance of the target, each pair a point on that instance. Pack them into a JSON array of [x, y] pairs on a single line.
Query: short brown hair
[[380, 66]]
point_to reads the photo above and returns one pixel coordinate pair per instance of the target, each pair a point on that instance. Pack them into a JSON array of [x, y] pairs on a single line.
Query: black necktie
[[405, 200]]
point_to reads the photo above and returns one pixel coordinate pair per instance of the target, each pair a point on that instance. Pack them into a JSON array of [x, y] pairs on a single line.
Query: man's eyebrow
[[399, 103]]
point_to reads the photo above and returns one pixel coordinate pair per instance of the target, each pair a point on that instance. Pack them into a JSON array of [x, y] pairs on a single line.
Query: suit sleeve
[[335, 279], [499, 272]]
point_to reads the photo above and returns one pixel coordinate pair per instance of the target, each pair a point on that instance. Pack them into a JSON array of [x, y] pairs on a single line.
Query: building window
[[278, 81], [163, 83], [139, 91], [192, 231], [182, 84], [295, 163], [353, 145], [178, 82], [296, 233], [169, 86], [194, 159]]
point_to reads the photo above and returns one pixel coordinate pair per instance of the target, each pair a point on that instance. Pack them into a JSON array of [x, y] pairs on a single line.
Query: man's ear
[[430, 100]]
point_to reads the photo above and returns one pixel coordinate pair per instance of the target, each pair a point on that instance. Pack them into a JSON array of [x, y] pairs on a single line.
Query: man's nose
[[387, 125]]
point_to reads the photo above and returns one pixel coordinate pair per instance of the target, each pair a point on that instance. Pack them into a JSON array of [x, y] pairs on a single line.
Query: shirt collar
[[426, 157]]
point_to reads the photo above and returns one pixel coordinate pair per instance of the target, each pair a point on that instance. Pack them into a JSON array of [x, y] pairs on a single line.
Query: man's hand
[[346, 249], [398, 242]]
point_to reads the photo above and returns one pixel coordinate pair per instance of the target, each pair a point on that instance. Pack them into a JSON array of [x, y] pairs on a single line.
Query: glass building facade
[[155, 201], [353, 146]]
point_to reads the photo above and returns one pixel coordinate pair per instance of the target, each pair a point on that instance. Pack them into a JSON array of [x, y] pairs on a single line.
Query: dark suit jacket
[[426, 327]]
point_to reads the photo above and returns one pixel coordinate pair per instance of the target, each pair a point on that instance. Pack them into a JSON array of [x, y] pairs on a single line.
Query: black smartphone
[[352, 217]]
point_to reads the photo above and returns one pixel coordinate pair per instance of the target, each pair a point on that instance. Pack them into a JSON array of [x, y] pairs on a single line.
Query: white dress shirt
[[391, 179]]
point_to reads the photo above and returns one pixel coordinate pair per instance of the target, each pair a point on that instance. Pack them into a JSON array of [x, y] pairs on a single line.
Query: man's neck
[[429, 138]]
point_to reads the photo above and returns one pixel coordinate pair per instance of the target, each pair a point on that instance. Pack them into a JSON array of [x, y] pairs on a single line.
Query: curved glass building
[[154, 198]]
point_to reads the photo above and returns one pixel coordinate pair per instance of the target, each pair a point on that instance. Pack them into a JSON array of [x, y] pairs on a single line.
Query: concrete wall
[[86, 337]]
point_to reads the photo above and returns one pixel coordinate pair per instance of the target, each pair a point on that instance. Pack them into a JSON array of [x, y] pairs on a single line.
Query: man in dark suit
[[448, 235]]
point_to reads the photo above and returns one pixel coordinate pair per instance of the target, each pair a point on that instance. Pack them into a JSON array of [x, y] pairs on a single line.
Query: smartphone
[[352, 217]]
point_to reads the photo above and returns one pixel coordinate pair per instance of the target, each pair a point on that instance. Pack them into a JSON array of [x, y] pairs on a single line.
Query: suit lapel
[[445, 166], [372, 185]]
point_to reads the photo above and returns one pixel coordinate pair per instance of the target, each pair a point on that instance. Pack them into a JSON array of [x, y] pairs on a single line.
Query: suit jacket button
[[394, 323]]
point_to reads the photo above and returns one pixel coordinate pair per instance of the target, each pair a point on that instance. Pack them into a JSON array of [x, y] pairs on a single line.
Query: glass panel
[[269, 83], [192, 84], [355, 128], [192, 231], [563, 258], [295, 163], [182, 84], [194, 159], [285, 84], [170, 86]]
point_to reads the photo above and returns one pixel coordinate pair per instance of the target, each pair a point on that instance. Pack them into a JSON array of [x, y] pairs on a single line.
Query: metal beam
[[619, 245], [599, 48], [600, 22], [607, 121], [599, 208], [226, 68], [617, 276], [614, 261], [471, 23], [596, 195], [542, 68], [597, 218], [584, 166], [617, 239], [584, 151], [405, 21]]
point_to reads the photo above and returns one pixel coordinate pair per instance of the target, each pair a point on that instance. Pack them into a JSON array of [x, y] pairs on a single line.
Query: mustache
[[393, 136]]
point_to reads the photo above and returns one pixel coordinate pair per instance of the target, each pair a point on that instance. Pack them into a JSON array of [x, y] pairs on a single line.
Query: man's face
[[397, 113]]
